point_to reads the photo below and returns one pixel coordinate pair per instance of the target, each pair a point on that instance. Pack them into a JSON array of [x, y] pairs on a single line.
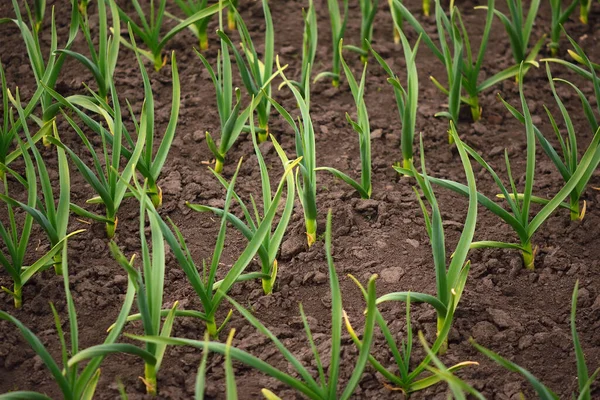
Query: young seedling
[[559, 17], [211, 292], [8, 132], [426, 6], [256, 74], [397, 21], [110, 181], [406, 99], [309, 45], [39, 10], [75, 380], [567, 161], [457, 386], [583, 378], [198, 28], [248, 226], [450, 283], [363, 129], [45, 72], [326, 386], [368, 10], [338, 28], [584, 10], [519, 217], [231, 11], [53, 219], [449, 52], [471, 63], [518, 26], [148, 162], [149, 28], [305, 151], [102, 62], [16, 240], [149, 287], [589, 73], [232, 120]]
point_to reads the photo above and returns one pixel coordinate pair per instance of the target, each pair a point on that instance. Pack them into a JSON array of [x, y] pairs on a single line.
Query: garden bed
[[520, 314]]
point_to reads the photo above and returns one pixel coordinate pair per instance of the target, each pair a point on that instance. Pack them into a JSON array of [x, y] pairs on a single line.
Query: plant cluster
[[127, 154]]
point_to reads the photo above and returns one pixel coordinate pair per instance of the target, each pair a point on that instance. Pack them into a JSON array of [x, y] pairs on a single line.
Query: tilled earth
[[523, 315]]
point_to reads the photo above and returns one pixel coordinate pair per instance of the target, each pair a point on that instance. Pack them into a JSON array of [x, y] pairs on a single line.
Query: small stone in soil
[[392, 275], [414, 243]]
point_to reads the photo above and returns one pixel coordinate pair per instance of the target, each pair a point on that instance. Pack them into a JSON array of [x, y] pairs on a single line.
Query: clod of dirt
[[502, 319], [392, 275], [483, 331], [292, 247]]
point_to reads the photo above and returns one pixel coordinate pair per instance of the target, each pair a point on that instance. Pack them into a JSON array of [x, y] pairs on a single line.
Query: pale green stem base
[[528, 256], [218, 166], [111, 228], [444, 347], [268, 284], [150, 379], [211, 328], [159, 62], [155, 194], [45, 141], [426, 7], [18, 296], [311, 231], [583, 15], [450, 138], [263, 136], [203, 39], [58, 264], [576, 214], [231, 21], [475, 109]]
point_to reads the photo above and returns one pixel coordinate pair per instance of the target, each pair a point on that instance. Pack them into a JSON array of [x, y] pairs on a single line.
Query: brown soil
[[520, 314]]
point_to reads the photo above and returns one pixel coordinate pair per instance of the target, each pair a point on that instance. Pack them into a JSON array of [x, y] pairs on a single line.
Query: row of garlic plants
[[128, 165]]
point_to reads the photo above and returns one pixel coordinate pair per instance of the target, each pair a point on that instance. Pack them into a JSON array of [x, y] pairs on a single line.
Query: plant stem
[[268, 284], [231, 20], [311, 230], [203, 37], [440, 324], [155, 194], [150, 379], [475, 108], [45, 141], [575, 213], [528, 255], [335, 82], [111, 227], [18, 295], [211, 327], [426, 7], [218, 166], [58, 264], [159, 62], [263, 134], [396, 36]]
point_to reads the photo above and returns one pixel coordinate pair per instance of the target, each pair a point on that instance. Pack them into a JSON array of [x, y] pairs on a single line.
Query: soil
[[522, 315]]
